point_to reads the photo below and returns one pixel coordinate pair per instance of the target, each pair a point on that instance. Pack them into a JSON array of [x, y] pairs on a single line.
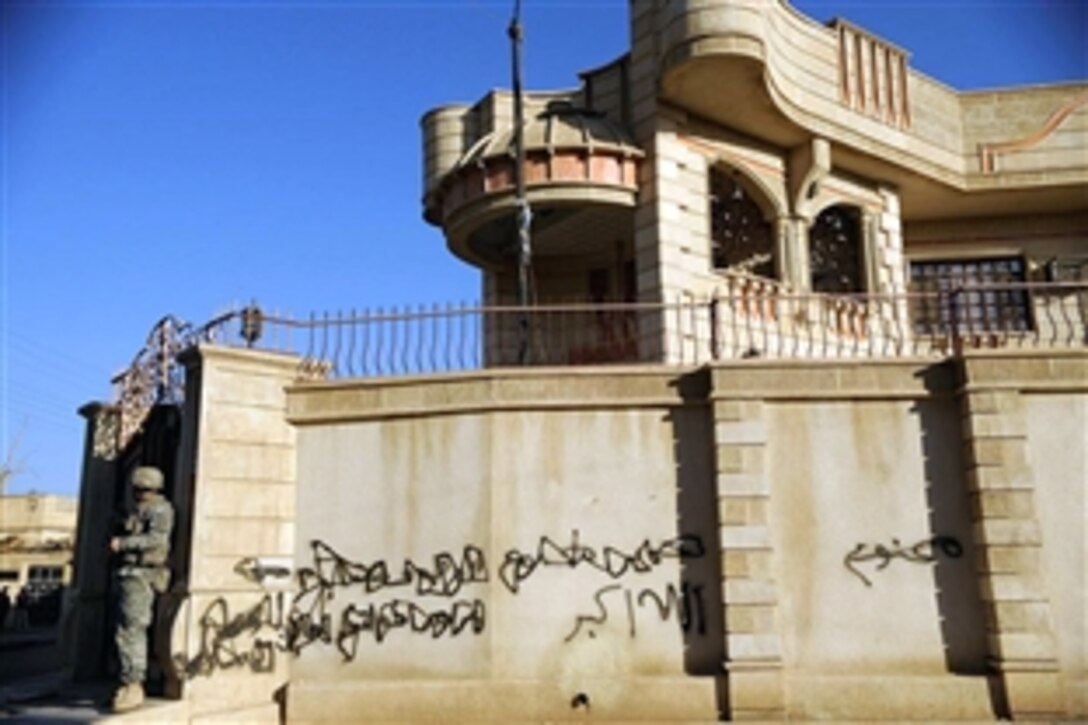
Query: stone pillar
[[749, 594], [793, 253], [236, 514], [85, 633], [1008, 537]]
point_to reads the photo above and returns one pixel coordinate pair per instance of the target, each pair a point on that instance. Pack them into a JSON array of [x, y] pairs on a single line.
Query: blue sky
[[182, 157]]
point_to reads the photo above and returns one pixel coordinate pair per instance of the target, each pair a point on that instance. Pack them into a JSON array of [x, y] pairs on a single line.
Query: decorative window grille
[[742, 240], [835, 251], [979, 305]]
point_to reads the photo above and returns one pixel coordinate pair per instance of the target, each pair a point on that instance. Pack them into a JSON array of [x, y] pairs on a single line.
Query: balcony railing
[[751, 320]]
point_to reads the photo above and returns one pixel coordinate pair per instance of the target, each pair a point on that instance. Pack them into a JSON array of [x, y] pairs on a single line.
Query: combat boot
[[128, 697]]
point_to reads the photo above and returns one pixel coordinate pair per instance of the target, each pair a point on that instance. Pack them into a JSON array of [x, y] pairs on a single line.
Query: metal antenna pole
[[524, 213]]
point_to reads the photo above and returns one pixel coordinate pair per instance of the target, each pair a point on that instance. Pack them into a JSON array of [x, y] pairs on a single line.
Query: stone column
[[236, 517], [84, 633], [1007, 534], [749, 594]]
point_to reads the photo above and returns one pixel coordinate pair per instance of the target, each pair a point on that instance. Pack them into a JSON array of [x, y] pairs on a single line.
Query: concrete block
[[742, 431], [743, 510], [737, 410], [1009, 559], [749, 619], [1003, 504], [1012, 588], [753, 647], [996, 425], [755, 691], [258, 499], [743, 484], [747, 563], [993, 402], [740, 458], [745, 537], [1020, 617], [1034, 695], [999, 477], [1008, 532], [1010, 451], [749, 591], [1031, 646]]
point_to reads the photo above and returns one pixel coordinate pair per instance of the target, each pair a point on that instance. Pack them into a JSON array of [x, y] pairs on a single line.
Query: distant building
[[37, 536]]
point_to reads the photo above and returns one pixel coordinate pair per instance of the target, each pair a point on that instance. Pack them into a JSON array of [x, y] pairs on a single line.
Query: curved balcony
[[581, 179], [799, 79]]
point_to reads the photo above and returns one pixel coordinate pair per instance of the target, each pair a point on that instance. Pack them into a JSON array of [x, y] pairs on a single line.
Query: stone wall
[[499, 551], [759, 540], [236, 510]]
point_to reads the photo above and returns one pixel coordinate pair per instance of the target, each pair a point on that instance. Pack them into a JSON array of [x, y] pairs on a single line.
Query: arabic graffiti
[[517, 566], [311, 621], [378, 620], [339, 602], [923, 552], [249, 638], [686, 605]]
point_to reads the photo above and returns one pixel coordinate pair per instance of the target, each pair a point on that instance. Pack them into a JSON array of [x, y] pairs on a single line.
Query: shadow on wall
[[697, 507], [959, 600]]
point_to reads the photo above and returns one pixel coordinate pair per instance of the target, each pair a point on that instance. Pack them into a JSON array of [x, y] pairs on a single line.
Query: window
[[741, 239], [834, 250], [9, 575], [45, 574], [982, 306]]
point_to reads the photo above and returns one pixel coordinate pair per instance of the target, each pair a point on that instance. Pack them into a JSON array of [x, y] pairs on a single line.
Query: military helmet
[[147, 477]]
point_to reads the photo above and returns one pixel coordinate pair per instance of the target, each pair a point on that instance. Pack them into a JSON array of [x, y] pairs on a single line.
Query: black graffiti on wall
[[517, 566], [923, 552], [685, 605], [377, 620], [311, 620], [326, 609], [247, 639], [444, 578]]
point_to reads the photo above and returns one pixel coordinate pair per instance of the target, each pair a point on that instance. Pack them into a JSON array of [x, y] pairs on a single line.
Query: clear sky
[[183, 156]]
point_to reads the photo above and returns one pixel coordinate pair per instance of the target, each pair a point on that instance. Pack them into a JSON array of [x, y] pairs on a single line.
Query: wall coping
[[891, 379], [251, 356], [496, 390]]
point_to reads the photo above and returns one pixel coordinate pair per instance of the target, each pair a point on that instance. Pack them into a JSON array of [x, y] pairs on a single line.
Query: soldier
[[142, 572]]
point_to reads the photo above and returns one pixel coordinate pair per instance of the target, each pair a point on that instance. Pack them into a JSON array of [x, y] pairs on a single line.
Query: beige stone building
[[803, 435], [741, 149], [37, 537]]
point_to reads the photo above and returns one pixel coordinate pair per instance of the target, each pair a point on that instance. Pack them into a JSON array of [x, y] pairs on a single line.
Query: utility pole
[[524, 218]]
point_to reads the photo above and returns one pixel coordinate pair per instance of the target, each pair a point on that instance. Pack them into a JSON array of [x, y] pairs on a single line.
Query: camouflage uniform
[[143, 571]]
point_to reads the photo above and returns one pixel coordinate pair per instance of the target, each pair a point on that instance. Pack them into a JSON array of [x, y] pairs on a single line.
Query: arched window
[[834, 243], [741, 239]]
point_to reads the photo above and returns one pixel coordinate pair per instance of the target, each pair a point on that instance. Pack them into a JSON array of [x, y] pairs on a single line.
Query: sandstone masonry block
[[1008, 532], [749, 591], [1023, 646], [745, 537], [1004, 504], [1009, 559], [753, 647], [740, 458], [749, 619]]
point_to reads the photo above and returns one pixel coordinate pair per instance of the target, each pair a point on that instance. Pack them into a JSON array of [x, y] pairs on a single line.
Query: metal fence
[[754, 322], [754, 319]]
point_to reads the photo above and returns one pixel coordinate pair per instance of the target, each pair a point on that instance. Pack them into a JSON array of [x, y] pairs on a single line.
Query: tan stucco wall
[[817, 589], [1057, 431], [507, 470]]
